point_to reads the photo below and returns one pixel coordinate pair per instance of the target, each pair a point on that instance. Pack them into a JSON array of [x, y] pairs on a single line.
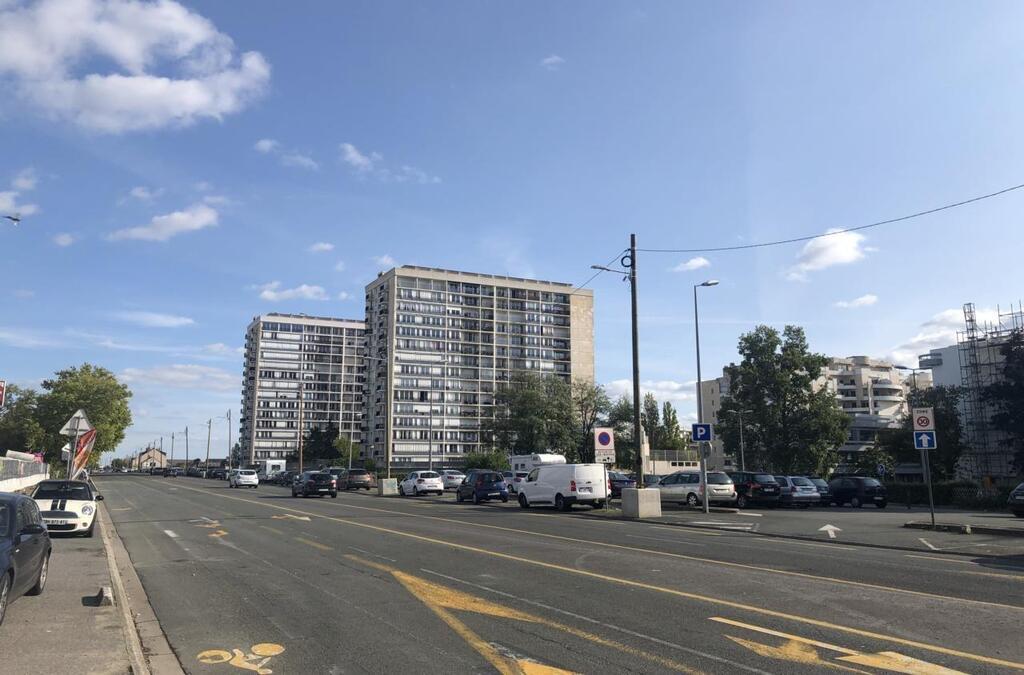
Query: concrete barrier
[[23, 483], [637, 503], [387, 487]]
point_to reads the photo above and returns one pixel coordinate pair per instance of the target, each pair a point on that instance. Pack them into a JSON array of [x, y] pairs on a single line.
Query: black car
[[317, 483], [1016, 501], [172, 472], [824, 494], [857, 491], [617, 481], [218, 474], [755, 488], [284, 477], [481, 485], [24, 549]]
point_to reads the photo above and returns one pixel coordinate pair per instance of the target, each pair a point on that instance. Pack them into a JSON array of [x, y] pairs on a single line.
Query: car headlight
[[87, 510]]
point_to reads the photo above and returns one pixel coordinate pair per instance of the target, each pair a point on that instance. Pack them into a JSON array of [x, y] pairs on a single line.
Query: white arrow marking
[[924, 439], [831, 529]]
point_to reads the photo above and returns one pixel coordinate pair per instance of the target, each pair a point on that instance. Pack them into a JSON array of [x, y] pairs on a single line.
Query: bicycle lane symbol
[[255, 661]]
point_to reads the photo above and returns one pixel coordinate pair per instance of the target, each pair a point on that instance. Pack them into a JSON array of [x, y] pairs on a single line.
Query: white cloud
[[552, 62], [836, 249], [357, 160], [145, 194], [26, 338], [216, 200], [938, 331], [63, 239], [25, 180], [298, 160], [371, 165], [182, 376], [512, 252], [384, 261], [343, 295], [266, 145], [692, 264], [865, 300], [339, 266], [162, 228], [321, 247], [273, 292], [679, 394], [23, 293], [153, 319], [221, 349], [167, 65]]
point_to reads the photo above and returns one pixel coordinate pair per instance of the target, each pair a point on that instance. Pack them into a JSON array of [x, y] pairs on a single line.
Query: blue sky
[[176, 166]]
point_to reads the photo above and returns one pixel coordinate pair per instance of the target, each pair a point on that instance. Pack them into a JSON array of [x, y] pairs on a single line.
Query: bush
[[950, 493], [494, 461]]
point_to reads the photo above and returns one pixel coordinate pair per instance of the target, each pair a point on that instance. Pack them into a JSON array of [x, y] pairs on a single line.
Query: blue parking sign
[[702, 433]]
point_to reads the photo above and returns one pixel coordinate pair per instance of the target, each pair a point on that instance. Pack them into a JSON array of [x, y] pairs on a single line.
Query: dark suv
[[482, 485], [755, 488], [317, 483], [857, 491]]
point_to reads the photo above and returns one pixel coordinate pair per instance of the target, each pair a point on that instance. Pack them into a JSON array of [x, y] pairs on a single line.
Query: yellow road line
[[314, 544], [753, 609]]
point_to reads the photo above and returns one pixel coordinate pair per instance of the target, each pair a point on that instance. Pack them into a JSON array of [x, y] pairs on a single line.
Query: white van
[[562, 485]]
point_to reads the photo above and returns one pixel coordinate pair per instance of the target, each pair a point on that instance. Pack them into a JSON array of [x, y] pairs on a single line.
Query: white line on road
[[685, 542], [925, 542], [171, 534]]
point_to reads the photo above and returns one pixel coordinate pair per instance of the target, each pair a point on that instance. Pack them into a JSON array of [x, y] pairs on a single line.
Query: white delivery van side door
[[590, 481]]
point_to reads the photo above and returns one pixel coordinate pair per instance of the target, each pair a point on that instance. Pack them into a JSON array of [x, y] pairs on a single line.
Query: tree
[[650, 418], [347, 450], [117, 464], [1006, 397], [671, 435], [19, 428], [590, 403], [872, 458], [532, 413], [494, 461], [319, 446], [899, 442], [791, 426], [96, 391], [620, 418]]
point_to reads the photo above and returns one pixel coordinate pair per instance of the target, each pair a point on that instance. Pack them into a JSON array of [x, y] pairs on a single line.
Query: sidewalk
[[58, 631]]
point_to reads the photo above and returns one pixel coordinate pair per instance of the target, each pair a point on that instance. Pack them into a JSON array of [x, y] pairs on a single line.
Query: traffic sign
[[3, 392], [880, 469], [604, 445], [78, 424], [924, 419], [924, 440], [702, 433]]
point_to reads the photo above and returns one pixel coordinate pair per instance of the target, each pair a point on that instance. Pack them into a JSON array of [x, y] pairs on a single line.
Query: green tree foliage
[[899, 443], [532, 413], [117, 464], [590, 405], [1006, 397], [347, 450], [791, 427], [19, 427], [670, 434], [96, 391], [650, 418], [620, 418], [319, 446], [875, 456], [494, 461]]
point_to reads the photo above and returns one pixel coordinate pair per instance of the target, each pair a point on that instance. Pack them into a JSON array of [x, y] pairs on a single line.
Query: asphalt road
[[366, 584]]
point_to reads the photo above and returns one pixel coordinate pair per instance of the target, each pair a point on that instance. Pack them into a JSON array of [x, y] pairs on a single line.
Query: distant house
[[150, 458]]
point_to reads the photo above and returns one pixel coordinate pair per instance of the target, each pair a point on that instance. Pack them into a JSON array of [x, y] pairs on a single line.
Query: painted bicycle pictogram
[[255, 660]]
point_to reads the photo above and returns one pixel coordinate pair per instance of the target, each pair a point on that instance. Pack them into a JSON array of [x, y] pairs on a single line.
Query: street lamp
[[739, 413], [700, 397]]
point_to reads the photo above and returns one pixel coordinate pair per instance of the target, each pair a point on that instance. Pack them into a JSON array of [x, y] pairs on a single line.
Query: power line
[[834, 232]]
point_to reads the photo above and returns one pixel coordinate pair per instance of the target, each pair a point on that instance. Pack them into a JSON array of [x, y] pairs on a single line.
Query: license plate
[[56, 522], [325, 489], [493, 494], [586, 489]]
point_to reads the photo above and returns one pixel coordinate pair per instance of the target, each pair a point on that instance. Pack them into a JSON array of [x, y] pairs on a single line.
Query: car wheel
[[88, 533], [415, 492], [401, 490], [5, 588], [741, 502], [458, 497], [855, 502], [504, 499], [691, 499], [523, 503], [334, 495], [476, 498], [41, 579], [1018, 514], [561, 504], [882, 505]]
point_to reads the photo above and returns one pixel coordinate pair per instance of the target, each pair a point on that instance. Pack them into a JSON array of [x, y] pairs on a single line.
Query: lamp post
[[700, 398], [739, 413]]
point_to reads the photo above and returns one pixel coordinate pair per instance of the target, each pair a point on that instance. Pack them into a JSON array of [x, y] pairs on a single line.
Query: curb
[[149, 651], [966, 528]]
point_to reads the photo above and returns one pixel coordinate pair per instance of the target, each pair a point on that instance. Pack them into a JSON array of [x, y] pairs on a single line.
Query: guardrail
[[16, 474]]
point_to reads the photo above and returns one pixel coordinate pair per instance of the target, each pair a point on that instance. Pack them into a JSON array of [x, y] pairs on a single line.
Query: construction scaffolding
[[981, 364]]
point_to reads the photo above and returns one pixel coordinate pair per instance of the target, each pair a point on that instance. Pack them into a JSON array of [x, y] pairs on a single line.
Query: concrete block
[[645, 503], [105, 598], [387, 487]]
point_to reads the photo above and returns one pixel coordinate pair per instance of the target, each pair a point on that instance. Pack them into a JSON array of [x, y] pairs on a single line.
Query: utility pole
[[637, 442], [301, 387], [228, 415], [170, 463], [209, 430], [743, 460], [186, 448]]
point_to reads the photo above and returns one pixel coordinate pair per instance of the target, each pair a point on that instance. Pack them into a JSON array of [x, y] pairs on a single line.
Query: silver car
[[797, 491], [685, 487]]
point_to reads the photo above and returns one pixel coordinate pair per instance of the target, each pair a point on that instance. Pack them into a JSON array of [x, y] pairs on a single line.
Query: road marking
[[831, 529], [289, 516], [693, 530], [171, 534], [260, 654], [925, 542], [684, 542], [123, 508], [753, 609], [579, 617], [442, 600], [218, 534], [275, 531], [882, 660], [314, 544]]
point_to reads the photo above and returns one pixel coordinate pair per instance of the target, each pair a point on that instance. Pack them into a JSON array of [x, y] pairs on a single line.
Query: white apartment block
[[301, 372], [440, 342]]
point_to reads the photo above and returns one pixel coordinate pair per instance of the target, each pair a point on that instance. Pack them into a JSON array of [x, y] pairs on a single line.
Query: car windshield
[[820, 482], [5, 516], [62, 490], [719, 479], [357, 472], [429, 474], [246, 472], [615, 475], [1019, 488], [763, 478], [321, 476], [797, 480]]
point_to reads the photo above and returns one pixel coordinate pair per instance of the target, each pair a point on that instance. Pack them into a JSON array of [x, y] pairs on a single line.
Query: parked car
[[650, 479], [156, 471], [617, 481], [243, 478], [824, 494], [563, 485], [215, 474], [67, 505], [755, 488], [1016, 501], [685, 487], [797, 491], [481, 485], [452, 479], [285, 478], [172, 472], [314, 483], [24, 549], [857, 491], [356, 479], [421, 482]]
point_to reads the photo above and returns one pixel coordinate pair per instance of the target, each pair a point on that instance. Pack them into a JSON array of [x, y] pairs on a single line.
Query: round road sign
[[604, 438]]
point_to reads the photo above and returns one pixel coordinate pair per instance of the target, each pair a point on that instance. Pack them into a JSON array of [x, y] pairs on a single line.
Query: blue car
[[24, 549], [482, 485]]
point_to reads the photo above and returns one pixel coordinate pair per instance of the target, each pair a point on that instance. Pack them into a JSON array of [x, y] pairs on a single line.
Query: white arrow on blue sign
[[702, 432], [924, 440]]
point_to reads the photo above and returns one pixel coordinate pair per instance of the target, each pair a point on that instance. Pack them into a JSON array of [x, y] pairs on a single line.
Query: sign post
[[604, 445], [78, 424], [3, 392], [925, 440], [702, 433]]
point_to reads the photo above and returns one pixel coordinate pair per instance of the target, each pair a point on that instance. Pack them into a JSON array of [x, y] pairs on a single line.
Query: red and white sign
[[3, 392], [604, 445], [924, 419], [82, 451]]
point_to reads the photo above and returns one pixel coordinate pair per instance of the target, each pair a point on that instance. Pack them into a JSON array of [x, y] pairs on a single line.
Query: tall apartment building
[[301, 372], [440, 342]]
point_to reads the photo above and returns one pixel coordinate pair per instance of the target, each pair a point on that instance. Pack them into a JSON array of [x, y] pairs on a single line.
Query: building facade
[[440, 343], [301, 372]]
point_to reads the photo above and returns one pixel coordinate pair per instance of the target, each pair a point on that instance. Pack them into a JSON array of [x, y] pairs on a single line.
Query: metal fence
[[16, 468]]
